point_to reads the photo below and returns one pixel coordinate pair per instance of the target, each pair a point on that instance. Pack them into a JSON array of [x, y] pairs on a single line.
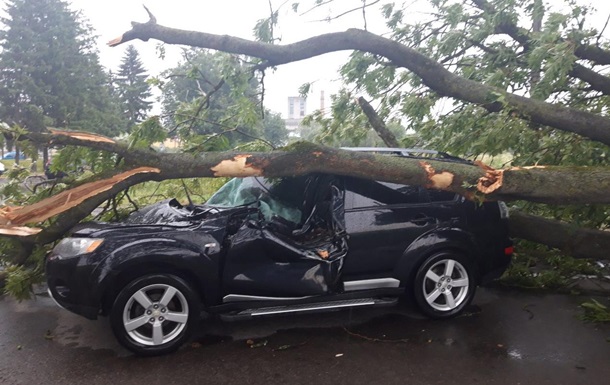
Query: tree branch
[[433, 74], [378, 124], [597, 81], [553, 184], [573, 240]]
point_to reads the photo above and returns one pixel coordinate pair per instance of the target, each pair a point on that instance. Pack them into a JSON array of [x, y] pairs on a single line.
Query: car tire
[[155, 314], [444, 285]]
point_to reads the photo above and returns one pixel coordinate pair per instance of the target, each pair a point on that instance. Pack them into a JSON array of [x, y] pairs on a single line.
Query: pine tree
[[133, 88], [49, 70]]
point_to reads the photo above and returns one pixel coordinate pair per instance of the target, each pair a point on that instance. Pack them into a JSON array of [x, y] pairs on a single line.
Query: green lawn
[[27, 163]]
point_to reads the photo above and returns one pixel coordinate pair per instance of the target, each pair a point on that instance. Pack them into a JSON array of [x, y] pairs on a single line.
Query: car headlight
[[72, 247]]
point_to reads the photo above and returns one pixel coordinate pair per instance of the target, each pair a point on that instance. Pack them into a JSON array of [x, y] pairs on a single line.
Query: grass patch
[[199, 190], [24, 163]]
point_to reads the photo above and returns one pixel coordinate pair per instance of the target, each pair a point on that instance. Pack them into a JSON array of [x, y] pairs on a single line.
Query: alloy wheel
[[446, 285], [155, 314]]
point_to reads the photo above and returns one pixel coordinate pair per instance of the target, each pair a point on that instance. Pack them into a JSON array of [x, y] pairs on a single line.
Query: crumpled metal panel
[[169, 211], [265, 261]]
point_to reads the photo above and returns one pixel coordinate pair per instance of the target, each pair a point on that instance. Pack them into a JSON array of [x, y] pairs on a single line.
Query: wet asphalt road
[[507, 338]]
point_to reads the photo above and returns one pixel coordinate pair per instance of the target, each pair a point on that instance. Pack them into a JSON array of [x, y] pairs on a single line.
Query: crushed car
[[264, 246]]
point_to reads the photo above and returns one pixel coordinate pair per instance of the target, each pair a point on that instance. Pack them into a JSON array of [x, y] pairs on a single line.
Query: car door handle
[[422, 220]]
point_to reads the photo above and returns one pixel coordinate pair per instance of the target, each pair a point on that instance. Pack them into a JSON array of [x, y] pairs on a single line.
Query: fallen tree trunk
[[544, 184], [570, 239], [472, 180]]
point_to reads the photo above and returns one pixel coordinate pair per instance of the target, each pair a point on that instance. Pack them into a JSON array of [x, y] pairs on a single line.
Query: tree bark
[[570, 239], [545, 184], [378, 124], [432, 73]]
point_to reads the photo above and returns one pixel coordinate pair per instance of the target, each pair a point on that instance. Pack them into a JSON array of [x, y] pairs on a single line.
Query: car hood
[[171, 212], [165, 215]]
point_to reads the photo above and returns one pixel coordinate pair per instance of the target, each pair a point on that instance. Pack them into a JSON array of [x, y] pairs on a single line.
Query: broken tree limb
[[378, 124], [547, 184], [18, 231], [432, 73], [68, 219], [556, 184], [12, 218], [86, 136], [76, 138]]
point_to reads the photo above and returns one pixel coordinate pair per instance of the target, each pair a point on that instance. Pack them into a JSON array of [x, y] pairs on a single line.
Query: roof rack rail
[[412, 152]]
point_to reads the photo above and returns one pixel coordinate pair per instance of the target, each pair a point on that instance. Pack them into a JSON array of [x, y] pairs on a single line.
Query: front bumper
[[71, 286]]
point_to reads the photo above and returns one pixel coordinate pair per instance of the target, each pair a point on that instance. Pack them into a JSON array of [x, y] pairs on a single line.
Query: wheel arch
[[446, 240], [117, 282]]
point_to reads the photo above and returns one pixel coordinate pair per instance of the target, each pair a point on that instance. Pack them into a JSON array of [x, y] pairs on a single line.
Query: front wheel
[[154, 314], [444, 285]]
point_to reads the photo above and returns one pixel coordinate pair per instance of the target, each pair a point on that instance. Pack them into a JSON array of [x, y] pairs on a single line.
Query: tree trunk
[[571, 239]]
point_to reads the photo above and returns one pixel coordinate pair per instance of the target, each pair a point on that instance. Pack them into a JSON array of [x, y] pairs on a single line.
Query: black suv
[[264, 246]]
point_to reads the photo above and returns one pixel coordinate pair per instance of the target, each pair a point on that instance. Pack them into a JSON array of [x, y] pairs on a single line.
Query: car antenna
[[187, 193]]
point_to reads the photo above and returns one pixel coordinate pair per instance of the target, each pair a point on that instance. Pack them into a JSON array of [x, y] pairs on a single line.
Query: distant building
[[297, 109]]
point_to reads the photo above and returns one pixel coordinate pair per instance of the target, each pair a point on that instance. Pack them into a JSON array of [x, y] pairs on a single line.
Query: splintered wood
[[12, 218], [492, 180], [19, 231], [82, 136]]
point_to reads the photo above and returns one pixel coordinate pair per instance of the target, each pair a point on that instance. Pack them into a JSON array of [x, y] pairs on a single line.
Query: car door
[[382, 220], [269, 259]]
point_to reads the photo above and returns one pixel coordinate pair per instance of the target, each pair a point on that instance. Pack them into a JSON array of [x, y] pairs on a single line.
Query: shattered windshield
[[278, 196]]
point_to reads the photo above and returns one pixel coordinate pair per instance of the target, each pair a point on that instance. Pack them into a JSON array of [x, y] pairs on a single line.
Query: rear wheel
[[444, 285], [154, 314]]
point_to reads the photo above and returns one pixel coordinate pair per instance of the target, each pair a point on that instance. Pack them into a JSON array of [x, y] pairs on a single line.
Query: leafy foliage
[[594, 311], [215, 94], [49, 70], [538, 267], [21, 278]]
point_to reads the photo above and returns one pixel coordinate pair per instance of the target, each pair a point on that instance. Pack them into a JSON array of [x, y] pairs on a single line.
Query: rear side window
[[361, 193]]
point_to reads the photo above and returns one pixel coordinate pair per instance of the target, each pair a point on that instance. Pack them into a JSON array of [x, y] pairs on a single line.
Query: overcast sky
[[235, 17], [110, 18]]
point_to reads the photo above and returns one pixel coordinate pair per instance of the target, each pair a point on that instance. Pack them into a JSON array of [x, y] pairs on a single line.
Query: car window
[[360, 193], [276, 196]]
